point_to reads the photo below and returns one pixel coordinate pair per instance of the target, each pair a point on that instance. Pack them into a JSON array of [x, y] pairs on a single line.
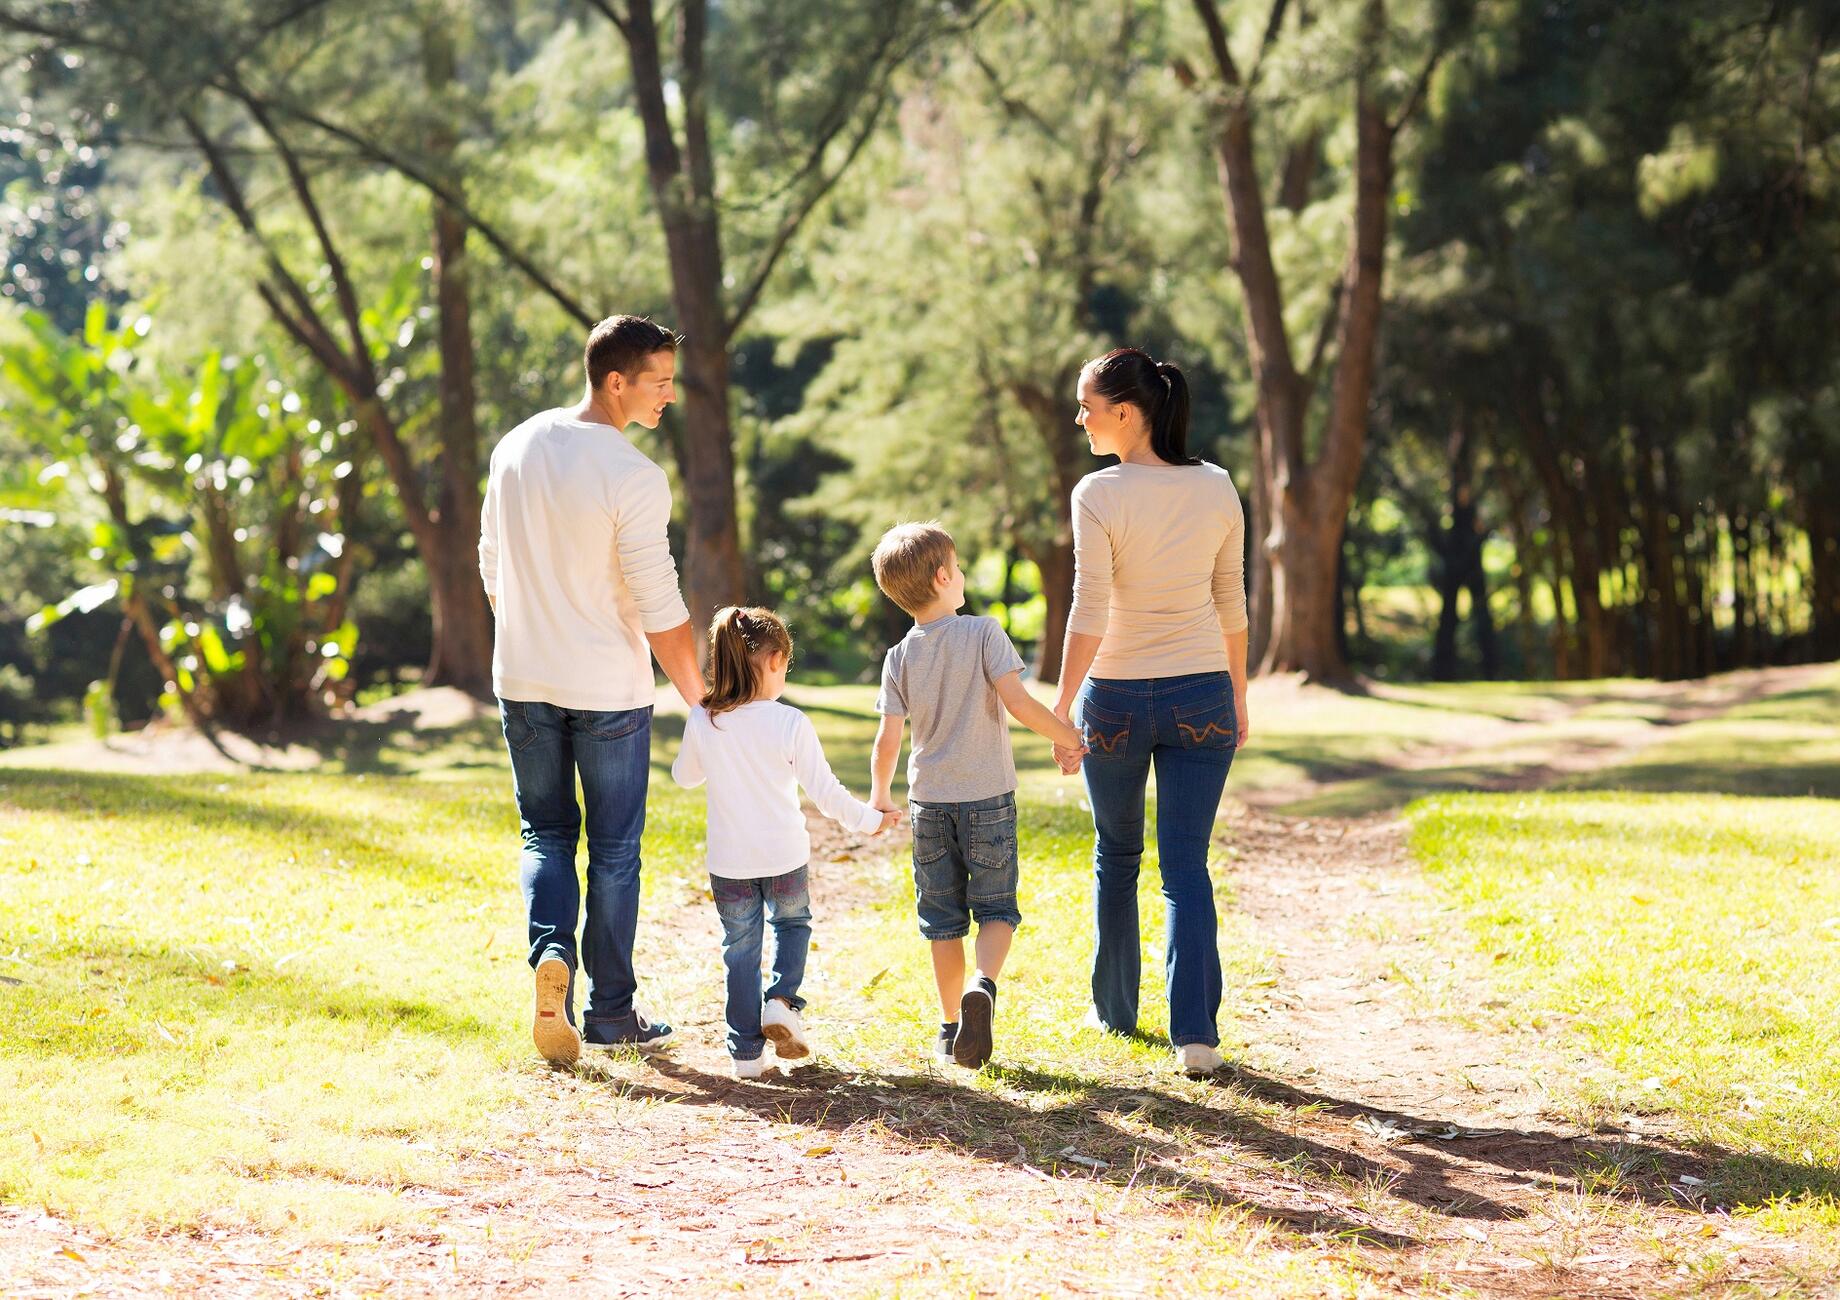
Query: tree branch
[[306, 325], [419, 175], [342, 287], [1209, 13]]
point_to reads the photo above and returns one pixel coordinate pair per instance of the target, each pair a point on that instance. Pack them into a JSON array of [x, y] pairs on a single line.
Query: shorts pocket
[[1207, 724], [993, 838], [932, 835], [1106, 733]]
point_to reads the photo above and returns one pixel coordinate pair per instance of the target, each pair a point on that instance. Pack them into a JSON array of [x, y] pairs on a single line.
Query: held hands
[[891, 815], [1068, 757]]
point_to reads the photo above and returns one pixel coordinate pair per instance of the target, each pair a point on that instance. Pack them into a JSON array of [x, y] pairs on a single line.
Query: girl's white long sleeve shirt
[[754, 760]]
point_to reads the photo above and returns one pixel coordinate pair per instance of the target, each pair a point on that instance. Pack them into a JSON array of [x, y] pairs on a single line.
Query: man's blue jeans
[[1186, 729], [785, 902], [612, 751]]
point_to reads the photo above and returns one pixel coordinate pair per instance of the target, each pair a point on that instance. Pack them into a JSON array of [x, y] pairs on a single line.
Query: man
[[573, 554]]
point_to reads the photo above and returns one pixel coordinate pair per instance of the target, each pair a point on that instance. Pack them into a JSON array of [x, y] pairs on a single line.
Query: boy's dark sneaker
[[976, 1009], [942, 1046], [631, 1030]]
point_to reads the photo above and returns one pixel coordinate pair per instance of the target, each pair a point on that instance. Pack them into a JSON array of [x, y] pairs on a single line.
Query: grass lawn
[[292, 1001], [1691, 940]]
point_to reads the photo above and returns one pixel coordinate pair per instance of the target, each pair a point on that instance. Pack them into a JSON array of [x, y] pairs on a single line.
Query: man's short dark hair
[[623, 343]]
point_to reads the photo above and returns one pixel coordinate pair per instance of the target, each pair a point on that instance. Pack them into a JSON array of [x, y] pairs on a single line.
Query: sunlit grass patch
[[271, 1000], [1692, 943]]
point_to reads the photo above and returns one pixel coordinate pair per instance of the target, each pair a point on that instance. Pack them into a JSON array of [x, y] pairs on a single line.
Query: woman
[[1156, 661]]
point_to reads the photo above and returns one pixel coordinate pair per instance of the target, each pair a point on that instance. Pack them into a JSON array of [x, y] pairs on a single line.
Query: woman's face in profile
[[1102, 420]]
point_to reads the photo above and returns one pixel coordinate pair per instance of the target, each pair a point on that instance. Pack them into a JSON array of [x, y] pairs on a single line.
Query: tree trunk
[[1303, 592], [683, 187], [1055, 563], [1305, 500], [1822, 521], [462, 650]]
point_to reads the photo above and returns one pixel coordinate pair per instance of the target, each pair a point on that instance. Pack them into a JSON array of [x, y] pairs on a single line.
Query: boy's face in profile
[[949, 582]]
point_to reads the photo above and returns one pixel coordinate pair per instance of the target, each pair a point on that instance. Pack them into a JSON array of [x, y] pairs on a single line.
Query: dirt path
[[1556, 740], [1364, 1129]]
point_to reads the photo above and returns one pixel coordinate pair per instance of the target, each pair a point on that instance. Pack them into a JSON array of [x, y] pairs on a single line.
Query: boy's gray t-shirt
[[943, 676]]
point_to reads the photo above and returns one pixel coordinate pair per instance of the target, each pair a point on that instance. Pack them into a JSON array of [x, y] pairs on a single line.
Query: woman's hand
[[1243, 711], [1065, 757]]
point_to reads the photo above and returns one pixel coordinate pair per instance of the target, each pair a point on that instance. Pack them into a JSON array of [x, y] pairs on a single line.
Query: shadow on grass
[[1145, 1137]]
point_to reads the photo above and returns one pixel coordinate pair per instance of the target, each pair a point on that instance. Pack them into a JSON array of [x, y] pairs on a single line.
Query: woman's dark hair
[[740, 640], [1156, 388]]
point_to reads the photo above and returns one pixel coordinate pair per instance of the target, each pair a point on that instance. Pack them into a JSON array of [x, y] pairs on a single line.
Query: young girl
[[755, 753]]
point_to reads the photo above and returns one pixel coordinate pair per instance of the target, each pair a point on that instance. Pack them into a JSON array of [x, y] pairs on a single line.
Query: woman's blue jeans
[[612, 751], [1186, 729]]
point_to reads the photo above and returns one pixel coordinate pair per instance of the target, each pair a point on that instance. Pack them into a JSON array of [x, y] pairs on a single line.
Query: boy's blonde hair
[[907, 559]]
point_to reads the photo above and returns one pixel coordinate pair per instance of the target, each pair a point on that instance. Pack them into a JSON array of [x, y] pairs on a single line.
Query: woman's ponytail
[[739, 641], [1169, 423], [1157, 388]]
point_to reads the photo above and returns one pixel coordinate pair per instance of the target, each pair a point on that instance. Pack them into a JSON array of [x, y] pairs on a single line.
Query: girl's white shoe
[[780, 1023], [1198, 1058], [753, 1069]]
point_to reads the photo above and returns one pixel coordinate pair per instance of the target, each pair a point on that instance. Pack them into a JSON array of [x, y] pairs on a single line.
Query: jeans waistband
[[967, 805], [1156, 685]]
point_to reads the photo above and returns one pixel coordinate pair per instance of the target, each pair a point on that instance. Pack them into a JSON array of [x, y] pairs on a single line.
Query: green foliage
[[202, 489]]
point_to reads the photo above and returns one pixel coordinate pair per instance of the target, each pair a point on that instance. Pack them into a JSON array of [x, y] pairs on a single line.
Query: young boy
[[950, 674]]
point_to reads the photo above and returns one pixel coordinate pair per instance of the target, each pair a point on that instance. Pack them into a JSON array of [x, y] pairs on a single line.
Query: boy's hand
[[891, 817]]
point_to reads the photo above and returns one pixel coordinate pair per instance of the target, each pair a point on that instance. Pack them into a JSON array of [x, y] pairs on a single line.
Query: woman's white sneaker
[[752, 1068], [1198, 1058], [780, 1023]]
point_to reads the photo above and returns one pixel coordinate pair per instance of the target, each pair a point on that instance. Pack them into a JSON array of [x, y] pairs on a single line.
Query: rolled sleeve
[[644, 550], [1000, 657], [1092, 568], [1229, 585], [889, 701]]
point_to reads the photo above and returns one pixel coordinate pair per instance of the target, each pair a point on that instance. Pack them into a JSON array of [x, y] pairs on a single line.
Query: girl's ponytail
[[739, 639]]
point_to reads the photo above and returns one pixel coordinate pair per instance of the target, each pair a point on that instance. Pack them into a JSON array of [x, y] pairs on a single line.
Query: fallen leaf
[[818, 1151], [1073, 1155], [874, 980], [68, 1253]]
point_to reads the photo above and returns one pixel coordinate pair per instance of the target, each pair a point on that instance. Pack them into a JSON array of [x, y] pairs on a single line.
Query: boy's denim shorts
[[964, 864]]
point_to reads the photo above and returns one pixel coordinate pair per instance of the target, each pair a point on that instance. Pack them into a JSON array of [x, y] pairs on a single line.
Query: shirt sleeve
[[687, 767], [488, 538], [1000, 657], [643, 513], [826, 791], [1230, 568], [889, 699], [1092, 567]]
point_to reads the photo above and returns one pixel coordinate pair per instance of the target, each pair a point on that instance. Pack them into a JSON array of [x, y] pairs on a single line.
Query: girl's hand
[[891, 817]]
